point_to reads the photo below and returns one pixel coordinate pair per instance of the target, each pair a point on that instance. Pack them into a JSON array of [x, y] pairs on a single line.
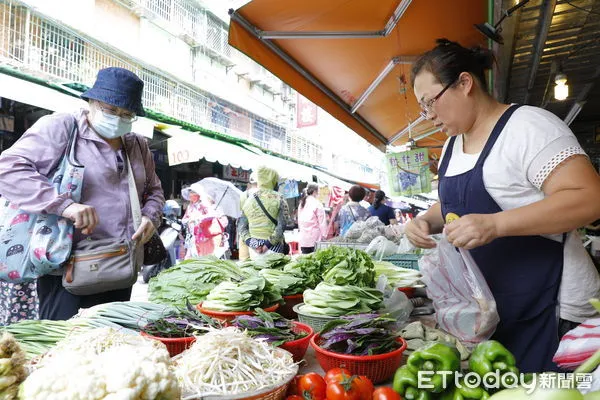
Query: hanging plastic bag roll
[[464, 304]]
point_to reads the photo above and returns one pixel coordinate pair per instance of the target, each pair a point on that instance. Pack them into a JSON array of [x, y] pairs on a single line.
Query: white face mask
[[110, 126]]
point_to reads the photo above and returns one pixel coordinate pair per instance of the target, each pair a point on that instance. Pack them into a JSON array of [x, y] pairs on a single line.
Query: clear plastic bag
[[395, 303], [464, 304]]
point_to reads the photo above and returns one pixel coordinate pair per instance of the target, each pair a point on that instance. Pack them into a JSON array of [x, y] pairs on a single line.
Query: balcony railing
[[32, 43]]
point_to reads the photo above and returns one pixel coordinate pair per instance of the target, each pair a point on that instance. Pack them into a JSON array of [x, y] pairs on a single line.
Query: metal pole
[[298, 68], [405, 130]]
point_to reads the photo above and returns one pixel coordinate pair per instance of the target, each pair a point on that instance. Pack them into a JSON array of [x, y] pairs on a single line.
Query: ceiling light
[[561, 90]]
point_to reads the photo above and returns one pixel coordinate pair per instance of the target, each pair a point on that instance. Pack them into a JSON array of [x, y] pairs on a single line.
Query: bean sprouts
[[229, 362]]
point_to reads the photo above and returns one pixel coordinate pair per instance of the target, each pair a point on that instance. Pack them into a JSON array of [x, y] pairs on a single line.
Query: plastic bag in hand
[[464, 304]]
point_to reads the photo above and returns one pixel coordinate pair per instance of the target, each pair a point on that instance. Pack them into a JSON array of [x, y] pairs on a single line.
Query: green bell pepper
[[435, 357], [491, 356], [464, 392], [406, 384]]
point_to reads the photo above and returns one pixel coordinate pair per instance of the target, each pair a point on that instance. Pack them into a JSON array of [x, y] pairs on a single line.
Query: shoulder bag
[[103, 265], [285, 246]]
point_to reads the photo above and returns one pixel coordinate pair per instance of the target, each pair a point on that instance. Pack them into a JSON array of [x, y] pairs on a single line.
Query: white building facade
[[179, 48]]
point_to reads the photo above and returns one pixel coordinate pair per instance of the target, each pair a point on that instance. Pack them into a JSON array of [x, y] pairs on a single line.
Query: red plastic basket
[[378, 368], [174, 345], [298, 347], [408, 291], [227, 316], [286, 310]]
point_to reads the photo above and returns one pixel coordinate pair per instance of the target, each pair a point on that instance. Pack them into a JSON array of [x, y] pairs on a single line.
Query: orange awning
[[332, 51]]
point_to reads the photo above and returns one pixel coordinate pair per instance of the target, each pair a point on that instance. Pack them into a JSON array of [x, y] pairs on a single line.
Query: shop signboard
[[408, 172], [235, 174]]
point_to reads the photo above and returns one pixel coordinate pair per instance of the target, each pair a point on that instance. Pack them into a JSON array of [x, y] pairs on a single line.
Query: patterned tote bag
[[32, 245]]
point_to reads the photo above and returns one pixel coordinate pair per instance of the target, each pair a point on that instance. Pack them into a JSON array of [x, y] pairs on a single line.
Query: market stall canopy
[[353, 57], [184, 147]]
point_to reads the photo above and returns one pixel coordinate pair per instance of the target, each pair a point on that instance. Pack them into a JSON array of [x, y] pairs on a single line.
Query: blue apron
[[523, 273]]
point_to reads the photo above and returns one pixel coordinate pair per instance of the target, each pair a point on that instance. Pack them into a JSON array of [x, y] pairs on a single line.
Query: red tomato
[[294, 397], [349, 387], [312, 386], [384, 393], [333, 373], [365, 387], [293, 387], [338, 391]]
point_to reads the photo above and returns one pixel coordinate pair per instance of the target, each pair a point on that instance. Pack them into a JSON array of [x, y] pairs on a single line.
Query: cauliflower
[[112, 367]]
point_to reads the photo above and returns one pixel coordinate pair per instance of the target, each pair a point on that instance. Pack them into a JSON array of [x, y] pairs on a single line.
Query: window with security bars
[[41, 47]]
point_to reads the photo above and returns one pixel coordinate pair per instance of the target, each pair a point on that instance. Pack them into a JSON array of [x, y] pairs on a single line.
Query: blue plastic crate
[[410, 261]]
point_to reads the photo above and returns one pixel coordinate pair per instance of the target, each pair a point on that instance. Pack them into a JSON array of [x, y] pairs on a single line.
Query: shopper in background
[[264, 218], [312, 221], [205, 224], [521, 185], [384, 212], [352, 211], [104, 142], [244, 253]]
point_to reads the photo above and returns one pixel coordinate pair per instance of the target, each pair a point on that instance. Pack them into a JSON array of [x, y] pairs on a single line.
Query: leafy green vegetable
[[192, 280], [346, 266], [362, 334], [181, 323], [269, 326], [288, 283], [335, 300], [270, 261], [397, 276], [245, 295], [307, 267]]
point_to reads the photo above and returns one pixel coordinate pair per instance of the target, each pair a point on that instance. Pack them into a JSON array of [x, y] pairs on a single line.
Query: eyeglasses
[[124, 116], [427, 106]]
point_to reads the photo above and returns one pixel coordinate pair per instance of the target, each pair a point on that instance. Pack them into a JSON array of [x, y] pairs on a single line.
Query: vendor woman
[[521, 184]]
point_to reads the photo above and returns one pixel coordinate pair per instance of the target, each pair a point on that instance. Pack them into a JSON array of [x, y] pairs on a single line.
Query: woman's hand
[[145, 231], [417, 231], [472, 230], [84, 217]]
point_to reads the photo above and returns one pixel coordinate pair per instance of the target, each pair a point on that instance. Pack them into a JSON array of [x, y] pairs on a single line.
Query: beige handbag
[[103, 265]]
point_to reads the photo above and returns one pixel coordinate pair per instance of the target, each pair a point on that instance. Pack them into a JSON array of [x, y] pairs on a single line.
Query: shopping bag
[[33, 245], [463, 302], [579, 344]]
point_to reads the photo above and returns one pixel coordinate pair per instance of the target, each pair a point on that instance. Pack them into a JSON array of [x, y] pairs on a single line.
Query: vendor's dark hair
[[357, 193], [447, 60], [311, 189], [379, 197]]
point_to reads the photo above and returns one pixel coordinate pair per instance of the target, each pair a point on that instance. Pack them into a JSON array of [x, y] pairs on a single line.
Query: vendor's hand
[[84, 217], [472, 230], [145, 231], [417, 231]]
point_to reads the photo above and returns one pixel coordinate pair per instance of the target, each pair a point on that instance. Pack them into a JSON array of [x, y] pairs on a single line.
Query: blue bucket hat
[[118, 87]]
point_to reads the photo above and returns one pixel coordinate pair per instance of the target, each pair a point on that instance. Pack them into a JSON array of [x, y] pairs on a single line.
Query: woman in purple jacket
[[104, 140]]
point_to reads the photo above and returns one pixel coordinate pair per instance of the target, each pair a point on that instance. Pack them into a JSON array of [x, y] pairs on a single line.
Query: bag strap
[[352, 212], [262, 207], [136, 211]]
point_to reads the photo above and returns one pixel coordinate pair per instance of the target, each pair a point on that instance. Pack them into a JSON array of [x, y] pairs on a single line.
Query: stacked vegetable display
[[100, 364], [192, 280], [229, 362], [248, 294], [12, 367]]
